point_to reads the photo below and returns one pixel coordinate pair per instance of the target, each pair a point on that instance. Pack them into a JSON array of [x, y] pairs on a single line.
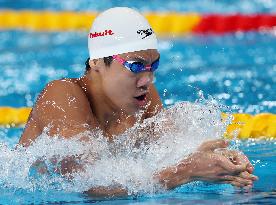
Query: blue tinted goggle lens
[[137, 67], [155, 65]]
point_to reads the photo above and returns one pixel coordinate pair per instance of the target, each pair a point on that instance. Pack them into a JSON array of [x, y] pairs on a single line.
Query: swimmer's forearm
[[107, 192], [175, 176]]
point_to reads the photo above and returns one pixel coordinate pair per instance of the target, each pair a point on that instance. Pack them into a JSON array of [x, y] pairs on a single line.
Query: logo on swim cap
[[146, 32]]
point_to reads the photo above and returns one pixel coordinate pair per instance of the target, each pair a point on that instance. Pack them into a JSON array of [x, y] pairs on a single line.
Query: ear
[[94, 64]]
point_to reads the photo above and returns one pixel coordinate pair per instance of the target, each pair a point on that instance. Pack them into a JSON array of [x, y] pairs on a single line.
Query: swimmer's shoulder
[[66, 85], [63, 90], [63, 108], [63, 100]]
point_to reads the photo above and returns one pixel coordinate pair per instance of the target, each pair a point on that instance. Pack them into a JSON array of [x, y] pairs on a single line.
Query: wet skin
[[104, 97], [108, 97]]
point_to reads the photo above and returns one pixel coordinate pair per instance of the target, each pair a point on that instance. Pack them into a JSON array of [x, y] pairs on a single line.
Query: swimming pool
[[235, 70]]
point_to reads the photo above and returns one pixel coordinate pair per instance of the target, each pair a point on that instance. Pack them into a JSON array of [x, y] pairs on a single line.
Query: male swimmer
[[116, 85]]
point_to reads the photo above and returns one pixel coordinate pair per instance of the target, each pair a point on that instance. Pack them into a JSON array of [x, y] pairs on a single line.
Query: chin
[[131, 109]]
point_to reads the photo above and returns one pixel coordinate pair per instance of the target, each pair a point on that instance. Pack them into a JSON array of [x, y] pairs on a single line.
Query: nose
[[144, 79]]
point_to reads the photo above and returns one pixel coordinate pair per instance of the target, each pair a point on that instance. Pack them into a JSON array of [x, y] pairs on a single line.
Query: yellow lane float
[[164, 23], [242, 126]]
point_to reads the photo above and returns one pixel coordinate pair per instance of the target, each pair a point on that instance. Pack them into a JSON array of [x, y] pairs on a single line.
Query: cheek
[[119, 86]]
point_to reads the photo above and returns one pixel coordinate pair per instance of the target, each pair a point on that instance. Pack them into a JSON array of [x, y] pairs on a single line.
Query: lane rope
[[243, 125], [163, 23]]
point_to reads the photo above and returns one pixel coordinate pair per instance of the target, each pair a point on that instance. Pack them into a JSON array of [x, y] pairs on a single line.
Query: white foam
[[130, 161]]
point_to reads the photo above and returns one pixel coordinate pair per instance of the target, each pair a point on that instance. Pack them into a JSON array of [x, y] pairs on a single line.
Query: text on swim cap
[[104, 33]]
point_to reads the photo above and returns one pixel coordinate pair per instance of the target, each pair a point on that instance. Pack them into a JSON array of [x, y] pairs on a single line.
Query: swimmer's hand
[[208, 165]]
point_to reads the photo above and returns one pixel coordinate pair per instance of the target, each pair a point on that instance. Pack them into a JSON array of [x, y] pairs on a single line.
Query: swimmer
[[118, 83]]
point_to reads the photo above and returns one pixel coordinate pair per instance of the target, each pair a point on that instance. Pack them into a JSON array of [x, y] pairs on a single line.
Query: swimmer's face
[[127, 90]]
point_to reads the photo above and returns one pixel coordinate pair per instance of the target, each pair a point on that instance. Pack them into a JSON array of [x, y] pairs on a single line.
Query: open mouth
[[141, 97]]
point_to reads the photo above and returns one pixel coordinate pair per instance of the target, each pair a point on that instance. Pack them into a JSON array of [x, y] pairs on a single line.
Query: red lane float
[[163, 23], [216, 23]]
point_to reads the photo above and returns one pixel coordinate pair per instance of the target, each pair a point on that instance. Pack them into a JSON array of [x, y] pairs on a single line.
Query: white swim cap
[[120, 30]]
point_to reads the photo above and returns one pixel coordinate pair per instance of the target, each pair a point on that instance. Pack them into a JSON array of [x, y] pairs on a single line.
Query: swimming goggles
[[136, 66]]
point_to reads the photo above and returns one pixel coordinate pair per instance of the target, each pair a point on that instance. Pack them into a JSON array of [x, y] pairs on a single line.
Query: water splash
[[129, 161]]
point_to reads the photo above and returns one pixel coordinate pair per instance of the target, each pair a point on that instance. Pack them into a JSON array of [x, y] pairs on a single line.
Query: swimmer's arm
[[107, 192], [197, 166], [206, 165], [69, 166], [64, 107]]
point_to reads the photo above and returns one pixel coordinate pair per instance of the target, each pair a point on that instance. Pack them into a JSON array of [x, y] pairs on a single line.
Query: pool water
[[202, 6], [236, 71]]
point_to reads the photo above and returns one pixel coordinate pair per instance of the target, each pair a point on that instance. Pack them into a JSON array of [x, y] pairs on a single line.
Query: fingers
[[236, 184], [229, 167], [237, 181], [250, 168], [248, 176], [213, 144], [238, 157]]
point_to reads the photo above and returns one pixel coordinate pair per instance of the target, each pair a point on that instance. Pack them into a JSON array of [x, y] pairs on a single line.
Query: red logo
[[104, 33]]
